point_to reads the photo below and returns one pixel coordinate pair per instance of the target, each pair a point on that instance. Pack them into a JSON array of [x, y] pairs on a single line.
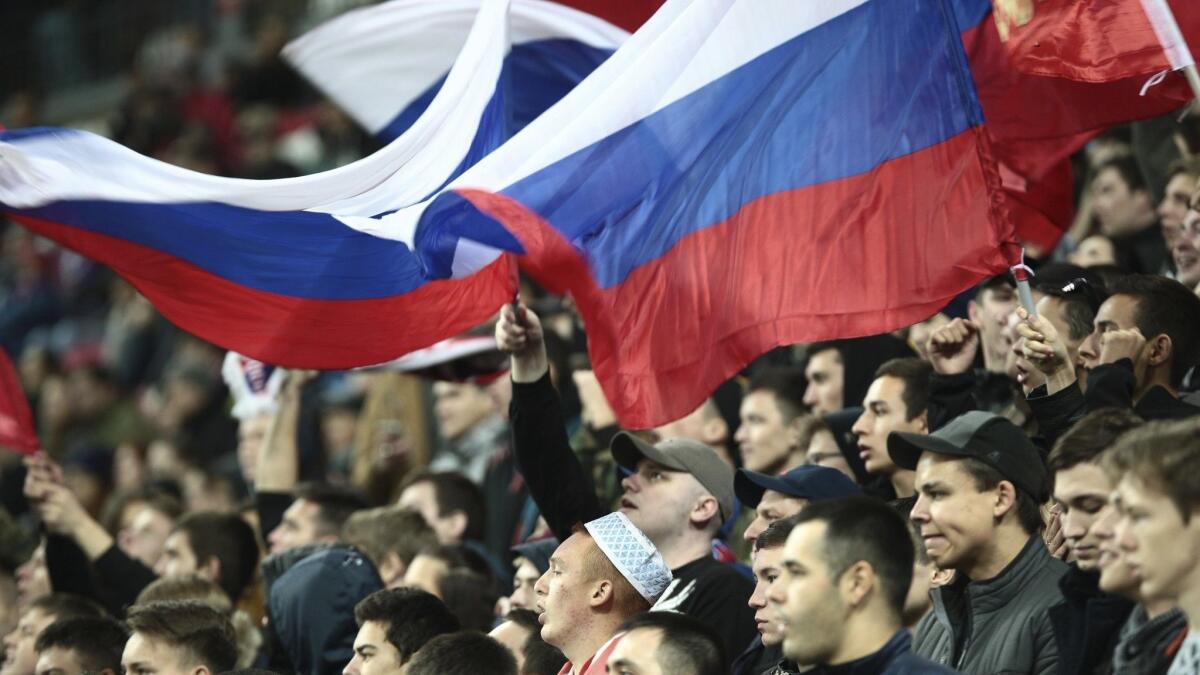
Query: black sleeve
[[1055, 413], [270, 507], [122, 578], [725, 607], [1111, 386], [69, 569], [949, 397], [557, 481]]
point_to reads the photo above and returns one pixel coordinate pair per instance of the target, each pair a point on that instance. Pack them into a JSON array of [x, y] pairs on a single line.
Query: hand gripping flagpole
[[1023, 273], [1166, 28]]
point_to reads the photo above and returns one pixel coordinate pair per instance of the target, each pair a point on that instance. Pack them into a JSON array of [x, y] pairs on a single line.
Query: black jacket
[[1086, 623], [896, 658], [704, 588], [114, 579]]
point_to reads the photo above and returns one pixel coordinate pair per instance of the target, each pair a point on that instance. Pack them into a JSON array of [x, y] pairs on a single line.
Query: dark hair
[[198, 631], [455, 492], [334, 503], [96, 641], [866, 529], [1077, 308], [1128, 167], [787, 385], [152, 498], [540, 658], [1166, 306], [776, 533], [1188, 167], [987, 477], [687, 646], [229, 539], [68, 606], [471, 597], [915, 373], [463, 653], [995, 283], [1164, 455], [413, 617], [1094, 433], [388, 529], [457, 556]]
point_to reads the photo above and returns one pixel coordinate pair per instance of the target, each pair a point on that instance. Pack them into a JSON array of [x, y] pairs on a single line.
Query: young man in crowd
[[845, 572], [20, 653], [772, 417], [456, 510], [530, 562], [220, 547], [316, 516], [1146, 339], [840, 371], [522, 635], [666, 643], [896, 401], [179, 638], [392, 625], [600, 576], [81, 646], [765, 654], [1124, 206], [1177, 197], [1158, 498], [1086, 623], [980, 484], [391, 537], [679, 494], [776, 497], [462, 653]]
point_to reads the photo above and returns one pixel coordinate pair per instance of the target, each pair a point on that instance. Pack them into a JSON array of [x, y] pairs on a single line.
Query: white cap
[[632, 553]]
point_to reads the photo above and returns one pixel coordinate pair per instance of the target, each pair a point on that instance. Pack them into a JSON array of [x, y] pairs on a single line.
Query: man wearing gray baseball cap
[[980, 483], [679, 492]]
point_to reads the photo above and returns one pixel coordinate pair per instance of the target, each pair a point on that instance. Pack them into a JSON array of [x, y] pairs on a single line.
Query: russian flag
[[294, 272], [384, 64], [740, 174]]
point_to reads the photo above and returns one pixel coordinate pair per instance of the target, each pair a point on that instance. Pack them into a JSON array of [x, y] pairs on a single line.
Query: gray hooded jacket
[[999, 626]]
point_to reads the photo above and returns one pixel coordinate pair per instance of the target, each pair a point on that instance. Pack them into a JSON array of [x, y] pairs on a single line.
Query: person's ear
[[1006, 499], [973, 311], [705, 510], [1159, 350], [391, 568], [602, 593], [857, 582], [201, 670], [210, 569], [941, 577]]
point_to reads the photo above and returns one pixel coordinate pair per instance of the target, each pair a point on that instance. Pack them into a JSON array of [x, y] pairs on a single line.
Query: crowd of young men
[[1019, 494]]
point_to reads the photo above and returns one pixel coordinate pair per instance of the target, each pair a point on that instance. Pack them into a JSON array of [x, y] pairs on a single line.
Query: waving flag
[[706, 197], [292, 272], [384, 64], [741, 174]]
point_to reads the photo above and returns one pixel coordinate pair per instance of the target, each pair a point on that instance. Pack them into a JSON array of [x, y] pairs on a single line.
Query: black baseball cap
[[814, 483], [988, 437]]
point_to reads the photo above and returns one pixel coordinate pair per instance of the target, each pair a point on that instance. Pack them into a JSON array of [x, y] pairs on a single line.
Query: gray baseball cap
[[991, 439], [680, 454]]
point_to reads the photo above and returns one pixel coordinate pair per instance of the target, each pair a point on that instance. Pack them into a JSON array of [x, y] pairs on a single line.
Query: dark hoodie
[[311, 608], [861, 357]]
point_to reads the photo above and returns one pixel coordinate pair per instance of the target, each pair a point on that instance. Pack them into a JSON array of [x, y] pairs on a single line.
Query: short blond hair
[[1163, 455]]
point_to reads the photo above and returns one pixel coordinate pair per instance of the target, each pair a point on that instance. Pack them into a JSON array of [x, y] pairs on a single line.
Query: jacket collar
[[992, 594], [900, 643]]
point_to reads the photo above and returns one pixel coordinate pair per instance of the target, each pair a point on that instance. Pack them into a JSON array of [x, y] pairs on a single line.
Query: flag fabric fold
[[296, 272], [411, 44], [740, 174]]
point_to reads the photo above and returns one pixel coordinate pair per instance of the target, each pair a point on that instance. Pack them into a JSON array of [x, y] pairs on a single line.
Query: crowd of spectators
[[986, 491]]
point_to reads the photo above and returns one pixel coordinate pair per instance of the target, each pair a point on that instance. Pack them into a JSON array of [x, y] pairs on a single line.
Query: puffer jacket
[[999, 626]]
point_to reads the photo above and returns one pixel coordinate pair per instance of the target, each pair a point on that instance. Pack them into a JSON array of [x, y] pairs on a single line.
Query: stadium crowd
[[988, 491]]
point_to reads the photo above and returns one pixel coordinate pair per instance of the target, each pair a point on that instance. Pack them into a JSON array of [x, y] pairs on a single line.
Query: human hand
[[1039, 344], [1121, 344], [952, 347], [1053, 535], [58, 508], [519, 333]]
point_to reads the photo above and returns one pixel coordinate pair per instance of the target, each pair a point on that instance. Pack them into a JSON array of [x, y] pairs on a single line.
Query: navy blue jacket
[[895, 658]]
